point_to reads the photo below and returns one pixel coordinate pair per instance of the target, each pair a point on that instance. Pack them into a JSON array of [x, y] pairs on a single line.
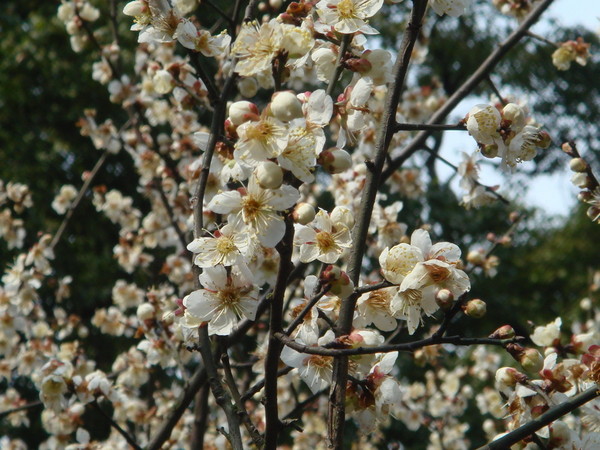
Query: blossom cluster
[[253, 149]]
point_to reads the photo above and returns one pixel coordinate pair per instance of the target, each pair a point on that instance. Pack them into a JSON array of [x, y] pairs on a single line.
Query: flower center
[[319, 362], [225, 245], [346, 9], [379, 301], [325, 241], [229, 297], [412, 297], [251, 207], [262, 131], [438, 273]]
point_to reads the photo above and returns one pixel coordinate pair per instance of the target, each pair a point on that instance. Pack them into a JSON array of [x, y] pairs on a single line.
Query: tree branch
[[546, 418], [468, 86], [337, 396]]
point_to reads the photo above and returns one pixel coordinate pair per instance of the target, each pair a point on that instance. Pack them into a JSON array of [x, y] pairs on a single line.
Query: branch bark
[[337, 396]]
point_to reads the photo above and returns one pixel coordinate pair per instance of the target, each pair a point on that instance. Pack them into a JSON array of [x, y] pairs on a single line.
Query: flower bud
[[335, 160], [275, 4], [566, 147], [544, 140], [475, 308], [285, 106], [269, 175], [444, 298], [504, 332], [303, 213], [531, 360], [342, 216], [578, 165], [343, 286], [593, 213], [476, 258], [145, 312], [360, 65], [580, 179], [489, 150], [162, 82], [331, 273], [515, 114], [248, 87], [242, 111], [508, 376]]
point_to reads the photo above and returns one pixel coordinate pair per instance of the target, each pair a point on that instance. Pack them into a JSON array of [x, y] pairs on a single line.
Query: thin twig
[[8, 412], [260, 384], [170, 213], [130, 440], [257, 439], [339, 66], [221, 396], [429, 126], [468, 86], [541, 421], [86, 184], [403, 347]]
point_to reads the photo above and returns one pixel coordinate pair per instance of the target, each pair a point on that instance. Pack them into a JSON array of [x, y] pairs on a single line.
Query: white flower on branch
[[224, 300], [258, 209], [321, 240], [349, 16]]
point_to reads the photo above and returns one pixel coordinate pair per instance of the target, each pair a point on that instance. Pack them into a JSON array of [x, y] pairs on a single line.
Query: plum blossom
[[224, 299], [421, 269], [257, 209], [453, 8], [321, 240], [315, 370], [227, 247], [349, 16]]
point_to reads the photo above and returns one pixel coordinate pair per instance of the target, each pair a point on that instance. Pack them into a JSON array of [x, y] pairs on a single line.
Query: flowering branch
[[544, 419], [468, 86], [130, 440], [337, 396], [403, 347]]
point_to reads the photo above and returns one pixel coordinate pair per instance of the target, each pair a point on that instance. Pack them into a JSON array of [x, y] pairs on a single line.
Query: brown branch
[[272, 423], [337, 396], [257, 439], [429, 126], [339, 65], [546, 418], [196, 382], [468, 86], [200, 417], [86, 184], [31, 405], [221, 396], [403, 347], [130, 440], [260, 384]]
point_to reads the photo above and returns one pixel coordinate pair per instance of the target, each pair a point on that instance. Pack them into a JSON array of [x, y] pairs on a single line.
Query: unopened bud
[[476, 258], [581, 180], [514, 216], [444, 298], [145, 312], [491, 237], [247, 86], [544, 140], [242, 111], [578, 165], [285, 106], [509, 376], [275, 4], [515, 114], [489, 150], [593, 213], [504, 332], [331, 273], [303, 213], [475, 308], [584, 196], [335, 160], [566, 147], [343, 287], [341, 216], [360, 65], [269, 175], [531, 360]]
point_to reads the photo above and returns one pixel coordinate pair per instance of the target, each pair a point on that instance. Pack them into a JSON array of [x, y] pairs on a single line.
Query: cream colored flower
[[349, 16]]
